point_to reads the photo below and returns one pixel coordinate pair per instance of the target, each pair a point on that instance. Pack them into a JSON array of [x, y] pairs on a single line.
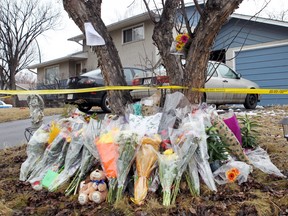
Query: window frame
[[131, 28], [45, 74]]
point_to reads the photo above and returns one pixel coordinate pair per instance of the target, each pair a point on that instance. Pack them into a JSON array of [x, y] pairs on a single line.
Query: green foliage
[[248, 132], [217, 150]]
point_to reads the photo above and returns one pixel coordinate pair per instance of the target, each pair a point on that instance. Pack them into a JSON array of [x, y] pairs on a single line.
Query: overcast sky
[[54, 44]]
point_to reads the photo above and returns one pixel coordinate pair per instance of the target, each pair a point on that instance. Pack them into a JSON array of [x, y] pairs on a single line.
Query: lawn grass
[[19, 113]]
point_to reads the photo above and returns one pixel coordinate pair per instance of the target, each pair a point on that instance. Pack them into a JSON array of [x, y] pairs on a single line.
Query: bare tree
[[82, 11], [163, 38], [213, 14], [21, 22]]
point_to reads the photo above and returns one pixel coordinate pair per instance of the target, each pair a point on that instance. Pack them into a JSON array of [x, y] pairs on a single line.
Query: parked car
[[91, 79], [4, 105], [219, 75]]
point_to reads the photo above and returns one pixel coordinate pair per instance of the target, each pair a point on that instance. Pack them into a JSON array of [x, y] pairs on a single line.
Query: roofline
[[74, 56], [260, 19], [120, 24]]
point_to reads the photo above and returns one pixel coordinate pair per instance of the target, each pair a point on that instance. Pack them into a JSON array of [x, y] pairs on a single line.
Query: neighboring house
[[255, 47]]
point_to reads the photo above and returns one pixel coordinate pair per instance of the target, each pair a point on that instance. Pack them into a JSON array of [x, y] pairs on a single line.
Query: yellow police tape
[[108, 88], [5, 97]]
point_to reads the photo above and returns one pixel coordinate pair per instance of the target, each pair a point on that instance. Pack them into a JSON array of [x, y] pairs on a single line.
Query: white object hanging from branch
[[93, 38]]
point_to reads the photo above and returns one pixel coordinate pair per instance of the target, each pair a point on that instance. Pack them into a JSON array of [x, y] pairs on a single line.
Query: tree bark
[[214, 14], [82, 11], [163, 37]]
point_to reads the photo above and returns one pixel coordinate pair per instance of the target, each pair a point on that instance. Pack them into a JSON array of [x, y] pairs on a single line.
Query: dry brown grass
[[13, 114], [261, 195]]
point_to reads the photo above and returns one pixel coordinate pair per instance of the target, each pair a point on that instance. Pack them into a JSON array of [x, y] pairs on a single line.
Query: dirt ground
[[262, 194]]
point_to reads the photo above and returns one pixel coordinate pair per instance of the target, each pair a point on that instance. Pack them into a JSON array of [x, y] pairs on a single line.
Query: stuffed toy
[[95, 190]]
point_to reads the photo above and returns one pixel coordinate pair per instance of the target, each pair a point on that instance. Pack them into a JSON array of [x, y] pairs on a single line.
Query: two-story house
[[253, 46]]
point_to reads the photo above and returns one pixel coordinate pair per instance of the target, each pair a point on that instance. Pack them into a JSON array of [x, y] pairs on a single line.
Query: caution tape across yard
[[109, 88]]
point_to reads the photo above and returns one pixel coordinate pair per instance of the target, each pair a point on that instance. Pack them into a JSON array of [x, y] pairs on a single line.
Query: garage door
[[268, 67]]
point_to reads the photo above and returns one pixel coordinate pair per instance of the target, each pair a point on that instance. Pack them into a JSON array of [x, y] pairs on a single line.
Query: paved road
[[12, 133]]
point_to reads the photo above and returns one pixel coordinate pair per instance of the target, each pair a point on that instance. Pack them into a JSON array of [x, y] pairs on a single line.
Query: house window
[[135, 33], [51, 75]]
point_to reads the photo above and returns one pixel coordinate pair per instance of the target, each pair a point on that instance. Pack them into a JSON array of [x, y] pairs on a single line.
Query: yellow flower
[[178, 37], [168, 152], [179, 46]]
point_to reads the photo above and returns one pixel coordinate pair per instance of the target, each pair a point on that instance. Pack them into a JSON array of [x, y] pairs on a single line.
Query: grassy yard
[[16, 113]]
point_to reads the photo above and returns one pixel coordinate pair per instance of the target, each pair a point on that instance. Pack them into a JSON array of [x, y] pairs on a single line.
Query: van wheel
[[105, 106], [251, 101], [84, 107]]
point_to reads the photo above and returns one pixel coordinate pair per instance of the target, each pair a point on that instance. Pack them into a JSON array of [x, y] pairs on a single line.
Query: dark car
[[91, 79]]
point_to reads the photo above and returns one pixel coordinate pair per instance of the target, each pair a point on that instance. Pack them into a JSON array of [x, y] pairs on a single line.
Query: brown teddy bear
[[95, 190]]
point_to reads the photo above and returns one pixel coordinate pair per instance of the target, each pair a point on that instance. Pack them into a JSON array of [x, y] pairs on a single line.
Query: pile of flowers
[[148, 153]]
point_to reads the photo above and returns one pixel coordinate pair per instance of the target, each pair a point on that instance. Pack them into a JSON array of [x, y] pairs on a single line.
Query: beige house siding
[[139, 51]]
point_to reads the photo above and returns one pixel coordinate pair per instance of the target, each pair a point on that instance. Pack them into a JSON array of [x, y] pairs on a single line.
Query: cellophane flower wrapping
[[184, 142], [144, 125], [201, 153], [146, 159], [180, 44], [167, 173], [192, 177], [35, 149], [89, 135], [220, 175], [72, 158], [261, 160], [108, 151], [128, 143], [50, 155], [173, 110]]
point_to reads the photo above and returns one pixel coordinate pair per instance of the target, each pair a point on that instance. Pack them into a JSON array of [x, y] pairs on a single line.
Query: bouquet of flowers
[[181, 44], [167, 173], [35, 149], [108, 153], [146, 159], [128, 146], [232, 171], [184, 145], [72, 158]]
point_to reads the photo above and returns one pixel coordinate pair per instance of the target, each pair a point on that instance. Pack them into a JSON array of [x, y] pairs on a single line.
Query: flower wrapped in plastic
[[201, 154], [108, 153], [232, 171], [35, 149], [180, 45], [146, 159], [72, 158], [128, 143], [167, 173], [184, 143], [51, 154]]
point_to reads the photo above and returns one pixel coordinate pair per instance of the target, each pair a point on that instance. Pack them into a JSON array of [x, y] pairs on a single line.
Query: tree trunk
[[163, 37], [90, 11], [213, 17]]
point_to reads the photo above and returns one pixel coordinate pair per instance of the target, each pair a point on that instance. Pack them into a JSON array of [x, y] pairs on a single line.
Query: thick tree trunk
[[163, 37], [213, 17], [82, 11]]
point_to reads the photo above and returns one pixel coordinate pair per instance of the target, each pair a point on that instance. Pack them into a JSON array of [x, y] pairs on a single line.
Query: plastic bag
[[261, 160], [232, 171]]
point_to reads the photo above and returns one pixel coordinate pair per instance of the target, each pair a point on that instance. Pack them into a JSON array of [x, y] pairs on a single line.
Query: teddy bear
[[95, 190]]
